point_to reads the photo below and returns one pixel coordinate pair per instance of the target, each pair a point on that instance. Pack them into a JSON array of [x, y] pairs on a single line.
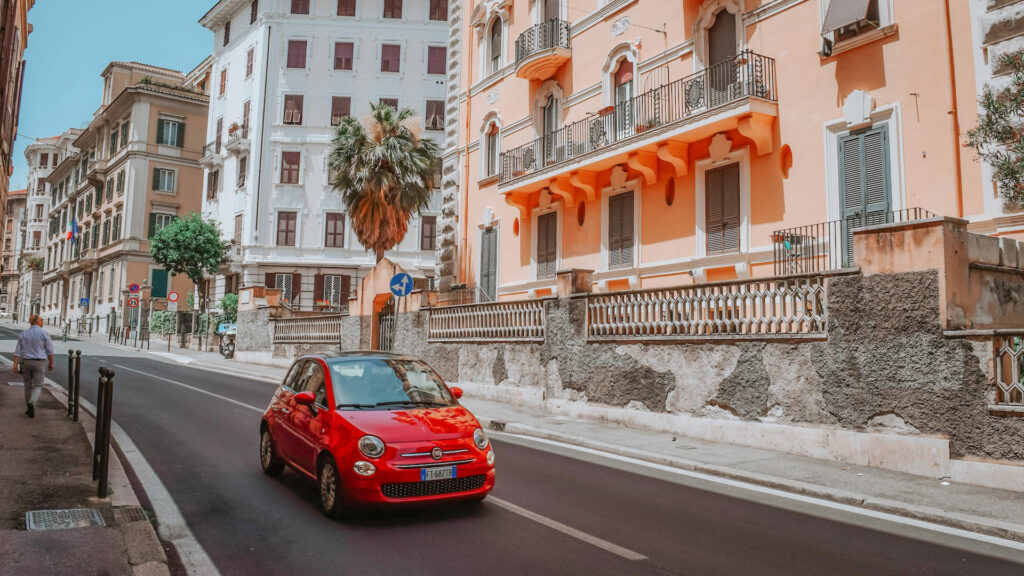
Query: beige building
[[136, 169], [14, 31], [14, 238]]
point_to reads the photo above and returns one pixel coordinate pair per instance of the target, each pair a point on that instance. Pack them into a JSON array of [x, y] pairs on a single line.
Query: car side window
[[294, 377], [315, 383]]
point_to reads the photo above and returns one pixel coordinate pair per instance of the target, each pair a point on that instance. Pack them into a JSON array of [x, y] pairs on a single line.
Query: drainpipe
[[263, 127], [464, 213], [956, 115]]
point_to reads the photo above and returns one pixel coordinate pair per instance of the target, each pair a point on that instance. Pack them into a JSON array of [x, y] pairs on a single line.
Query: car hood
[[414, 425]]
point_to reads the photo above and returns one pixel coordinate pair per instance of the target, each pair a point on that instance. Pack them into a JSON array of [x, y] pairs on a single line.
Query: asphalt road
[[556, 511]]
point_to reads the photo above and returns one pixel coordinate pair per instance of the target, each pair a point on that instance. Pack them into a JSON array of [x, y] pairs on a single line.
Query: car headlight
[[371, 446], [480, 438]]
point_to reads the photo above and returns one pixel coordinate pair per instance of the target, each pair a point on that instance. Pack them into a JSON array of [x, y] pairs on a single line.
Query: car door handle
[[286, 411]]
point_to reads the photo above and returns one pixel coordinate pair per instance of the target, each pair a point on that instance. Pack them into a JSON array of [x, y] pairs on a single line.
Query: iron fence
[[308, 330], [553, 33], [829, 245], [1010, 370], [747, 75], [499, 322], [786, 305]]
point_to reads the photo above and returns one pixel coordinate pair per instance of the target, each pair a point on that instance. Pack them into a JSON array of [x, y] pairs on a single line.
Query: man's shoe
[[31, 411]]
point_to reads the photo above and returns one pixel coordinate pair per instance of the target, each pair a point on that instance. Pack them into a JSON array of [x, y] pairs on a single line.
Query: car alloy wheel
[[330, 488], [272, 466]]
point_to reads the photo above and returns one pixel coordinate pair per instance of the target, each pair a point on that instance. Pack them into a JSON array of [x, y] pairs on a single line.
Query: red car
[[375, 429]]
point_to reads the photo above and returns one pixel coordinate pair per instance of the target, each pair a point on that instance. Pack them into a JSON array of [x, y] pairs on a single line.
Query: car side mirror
[[305, 399], [457, 392]]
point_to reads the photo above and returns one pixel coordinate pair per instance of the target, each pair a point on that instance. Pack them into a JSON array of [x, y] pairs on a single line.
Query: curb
[[971, 523]]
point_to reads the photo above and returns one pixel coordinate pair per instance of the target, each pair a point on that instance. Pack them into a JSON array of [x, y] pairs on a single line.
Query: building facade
[[14, 239], [135, 168], [715, 140], [284, 74], [14, 31]]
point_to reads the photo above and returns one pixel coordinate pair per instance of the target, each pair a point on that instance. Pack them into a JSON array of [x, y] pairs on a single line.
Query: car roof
[[341, 356]]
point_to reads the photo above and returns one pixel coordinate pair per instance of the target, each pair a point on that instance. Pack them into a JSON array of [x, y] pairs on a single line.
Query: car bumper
[[391, 487]]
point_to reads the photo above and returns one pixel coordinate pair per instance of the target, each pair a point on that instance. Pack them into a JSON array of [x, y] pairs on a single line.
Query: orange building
[[665, 143], [14, 31]]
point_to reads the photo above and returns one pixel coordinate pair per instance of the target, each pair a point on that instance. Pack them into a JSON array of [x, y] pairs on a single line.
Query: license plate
[[428, 474]]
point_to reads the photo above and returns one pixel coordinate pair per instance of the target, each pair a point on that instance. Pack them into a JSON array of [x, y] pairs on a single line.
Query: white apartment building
[[43, 156], [284, 72]]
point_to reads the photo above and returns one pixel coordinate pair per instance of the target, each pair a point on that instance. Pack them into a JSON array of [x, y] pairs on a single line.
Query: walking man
[[34, 355]]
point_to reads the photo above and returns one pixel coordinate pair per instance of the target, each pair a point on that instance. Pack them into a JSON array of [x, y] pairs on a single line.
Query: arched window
[[491, 150], [623, 81], [495, 46], [722, 38]]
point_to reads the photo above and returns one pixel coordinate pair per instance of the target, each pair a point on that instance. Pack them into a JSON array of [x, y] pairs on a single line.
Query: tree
[[229, 303], [191, 246], [385, 172], [999, 137]]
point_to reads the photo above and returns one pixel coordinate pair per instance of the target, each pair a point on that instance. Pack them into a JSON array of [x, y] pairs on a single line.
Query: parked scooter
[[227, 339]]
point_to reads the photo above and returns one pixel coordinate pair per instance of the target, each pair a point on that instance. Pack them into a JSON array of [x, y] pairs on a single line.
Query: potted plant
[[606, 110], [233, 128]]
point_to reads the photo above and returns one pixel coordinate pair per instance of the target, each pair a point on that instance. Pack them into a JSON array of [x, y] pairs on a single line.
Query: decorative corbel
[[563, 188], [523, 202], [759, 129], [585, 181], [675, 154], [646, 163]]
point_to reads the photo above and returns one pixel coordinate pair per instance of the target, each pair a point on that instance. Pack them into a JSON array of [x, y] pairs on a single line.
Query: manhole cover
[[130, 514], [63, 519]]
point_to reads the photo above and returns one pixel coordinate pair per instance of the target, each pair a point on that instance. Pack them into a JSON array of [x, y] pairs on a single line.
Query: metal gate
[[386, 326]]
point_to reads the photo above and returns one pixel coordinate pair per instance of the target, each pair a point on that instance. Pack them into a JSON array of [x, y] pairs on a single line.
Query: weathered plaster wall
[[254, 332], [886, 366]]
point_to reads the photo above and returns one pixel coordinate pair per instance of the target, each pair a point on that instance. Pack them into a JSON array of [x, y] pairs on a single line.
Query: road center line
[[200, 390], [568, 530]]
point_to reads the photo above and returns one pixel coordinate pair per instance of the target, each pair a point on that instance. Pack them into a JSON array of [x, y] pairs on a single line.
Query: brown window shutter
[[296, 287], [731, 208], [318, 288], [346, 288], [269, 280], [714, 210]]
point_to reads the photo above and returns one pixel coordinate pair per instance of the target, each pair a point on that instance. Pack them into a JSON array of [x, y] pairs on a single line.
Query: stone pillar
[[448, 225], [575, 281]]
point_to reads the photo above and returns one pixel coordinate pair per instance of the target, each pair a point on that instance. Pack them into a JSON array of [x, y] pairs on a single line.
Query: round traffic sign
[[133, 288], [172, 296], [401, 284], [133, 302]]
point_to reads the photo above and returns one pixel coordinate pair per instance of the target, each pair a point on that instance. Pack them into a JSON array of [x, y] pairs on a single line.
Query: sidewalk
[[47, 465], [988, 511]]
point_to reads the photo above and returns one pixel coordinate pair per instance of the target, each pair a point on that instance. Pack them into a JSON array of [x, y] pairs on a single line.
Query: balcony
[[96, 174], [658, 125], [541, 50], [238, 141], [212, 157]]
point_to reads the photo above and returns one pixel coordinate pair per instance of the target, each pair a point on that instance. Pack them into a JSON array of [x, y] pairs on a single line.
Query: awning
[[843, 13]]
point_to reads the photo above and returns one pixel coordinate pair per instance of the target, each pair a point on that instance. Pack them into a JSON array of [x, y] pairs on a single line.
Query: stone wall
[[886, 366], [254, 331]]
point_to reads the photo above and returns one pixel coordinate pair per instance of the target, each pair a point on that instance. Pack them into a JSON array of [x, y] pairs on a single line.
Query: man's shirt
[[34, 344]]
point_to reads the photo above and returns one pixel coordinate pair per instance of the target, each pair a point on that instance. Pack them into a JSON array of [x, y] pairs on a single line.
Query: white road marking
[[200, 390], [737, 484], [569, 530]]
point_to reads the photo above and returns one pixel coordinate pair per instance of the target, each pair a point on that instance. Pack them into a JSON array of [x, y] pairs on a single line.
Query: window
[[392, 8], [218, 135], [246, 112], [111, 284], [300, 6], [170, 133], [293, 109], [390, 58], [620, 230], [250, 58], [435, 115], [223, 81], [428, 232], [346, 7], [158, 282], [238, 229], [436, 57], [95, 238], [341, 106], [296, 53], [163, 179], [212, 184], [124, 134], [227, 32], [865, 184], [334, 233], [393, 102], [39, 212], [330, 290], [158, 222], [491, 149], [439, 10], [286, 228], [343, 53], [845, 19], [495, 39], [243, 166], [115, 229], [120, 182], [547, 245], [290, 167], [110, 188], [722, 206], [623, 78], [37, 237], [254, 11], [44, 159]]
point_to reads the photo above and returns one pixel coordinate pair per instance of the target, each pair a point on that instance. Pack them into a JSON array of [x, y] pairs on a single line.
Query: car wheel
[[271, 464], [330, 488]]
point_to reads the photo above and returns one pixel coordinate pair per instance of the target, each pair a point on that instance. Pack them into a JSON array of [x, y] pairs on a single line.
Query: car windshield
[[383, 383]]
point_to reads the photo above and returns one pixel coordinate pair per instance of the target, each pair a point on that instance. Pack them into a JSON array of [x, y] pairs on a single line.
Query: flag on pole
[[73, 229]]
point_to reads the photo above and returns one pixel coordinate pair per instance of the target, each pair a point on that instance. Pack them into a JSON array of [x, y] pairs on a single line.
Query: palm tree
[[385, 172]]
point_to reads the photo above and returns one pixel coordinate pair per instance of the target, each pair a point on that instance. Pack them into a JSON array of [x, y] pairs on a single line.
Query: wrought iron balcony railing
[[747, 75], [553, 33], [829, 245]]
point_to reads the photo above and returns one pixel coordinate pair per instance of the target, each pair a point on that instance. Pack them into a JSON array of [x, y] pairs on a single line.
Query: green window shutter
[[181, 135], [160, 131], [156, 178], [865, 186], [159, 284], [152, 224]]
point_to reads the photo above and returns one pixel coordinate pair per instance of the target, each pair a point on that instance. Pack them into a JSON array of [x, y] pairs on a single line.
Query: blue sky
[[74, 40]]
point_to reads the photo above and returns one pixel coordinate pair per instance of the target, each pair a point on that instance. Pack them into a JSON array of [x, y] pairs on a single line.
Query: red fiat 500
[[375, 429]]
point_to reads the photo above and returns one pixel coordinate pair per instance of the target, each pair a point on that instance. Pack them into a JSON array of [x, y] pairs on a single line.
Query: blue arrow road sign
[[401, 284]]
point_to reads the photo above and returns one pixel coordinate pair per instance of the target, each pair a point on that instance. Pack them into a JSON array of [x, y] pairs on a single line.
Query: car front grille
[[433, 487]]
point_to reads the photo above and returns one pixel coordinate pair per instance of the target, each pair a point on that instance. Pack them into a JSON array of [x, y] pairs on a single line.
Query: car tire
[[328, 481], [269, 461]]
